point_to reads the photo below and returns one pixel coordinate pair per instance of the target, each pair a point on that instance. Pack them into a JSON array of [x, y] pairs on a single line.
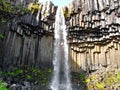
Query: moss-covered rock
[[66, 13], [3, 85], [106, 80], [33, 7], [42, 76], [99, 80]]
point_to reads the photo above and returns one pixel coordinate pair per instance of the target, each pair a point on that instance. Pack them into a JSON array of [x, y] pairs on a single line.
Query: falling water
[[61, 77]]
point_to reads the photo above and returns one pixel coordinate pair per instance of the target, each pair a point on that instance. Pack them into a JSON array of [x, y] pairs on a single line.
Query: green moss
[[104, 79], [114, 79], [30, 74], [87, 80], [1, 36], [3, 20], [21, 9], [100, 86], [6, 6], [26, 10], [118, 75], [108, 81], [3, 85], [49, 70], [66, 14], [6, 11], [34, 7], [81, 76], [29, 77]]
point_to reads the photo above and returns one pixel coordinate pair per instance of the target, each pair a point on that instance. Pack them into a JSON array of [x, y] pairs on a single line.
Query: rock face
[[94, 34], [28, 39]]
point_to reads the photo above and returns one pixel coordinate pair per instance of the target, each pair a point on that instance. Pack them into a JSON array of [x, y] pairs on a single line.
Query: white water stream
[[61, 74]]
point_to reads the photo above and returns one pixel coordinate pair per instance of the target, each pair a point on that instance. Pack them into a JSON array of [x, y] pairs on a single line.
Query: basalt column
[[29, 38], [94, 33]]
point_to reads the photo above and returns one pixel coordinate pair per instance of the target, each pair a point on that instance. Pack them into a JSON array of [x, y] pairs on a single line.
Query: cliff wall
[[94, 34], [28, 37]]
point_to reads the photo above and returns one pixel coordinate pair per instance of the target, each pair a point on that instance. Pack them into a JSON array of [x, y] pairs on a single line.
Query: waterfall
[[61, 74], [48, 6]]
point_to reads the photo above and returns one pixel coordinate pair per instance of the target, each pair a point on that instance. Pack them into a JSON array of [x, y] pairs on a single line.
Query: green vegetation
[[26, 10], [3, 85], [5, 6], [8, 8], [3, 21], [1, 36], [21, 9], [66, 13], [100, 86], [100, 81], [15, 72], [30, 74], [79, 78], [7, 11], [33, 7]]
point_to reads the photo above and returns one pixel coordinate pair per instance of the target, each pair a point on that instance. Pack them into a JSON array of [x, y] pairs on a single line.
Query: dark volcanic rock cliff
[[28, 38]]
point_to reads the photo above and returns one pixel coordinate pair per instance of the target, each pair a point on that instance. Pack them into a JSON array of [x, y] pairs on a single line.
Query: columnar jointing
[[61, 78], [94, 34]]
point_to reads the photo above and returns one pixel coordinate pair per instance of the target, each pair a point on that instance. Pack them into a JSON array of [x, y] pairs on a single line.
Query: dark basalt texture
[[28, 39]]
